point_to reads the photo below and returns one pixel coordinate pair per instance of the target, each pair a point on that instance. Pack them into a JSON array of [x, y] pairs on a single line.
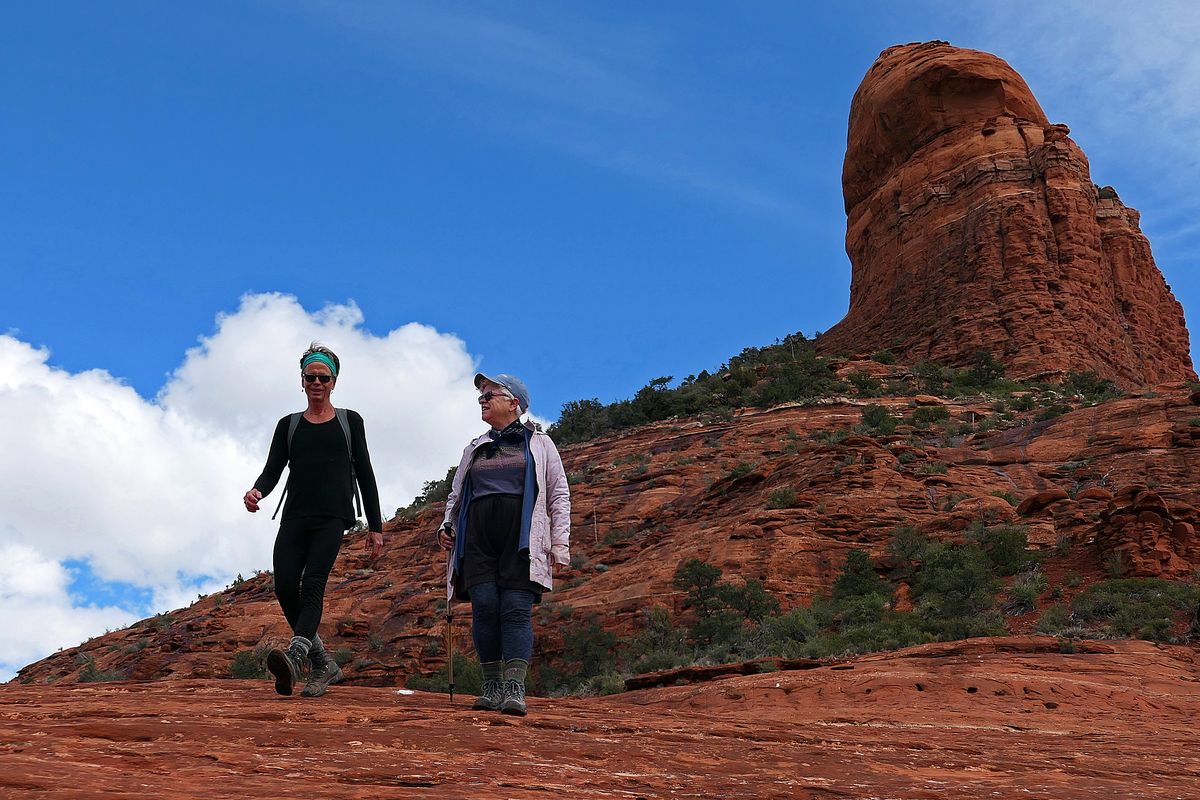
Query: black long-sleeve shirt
[[320, 483]]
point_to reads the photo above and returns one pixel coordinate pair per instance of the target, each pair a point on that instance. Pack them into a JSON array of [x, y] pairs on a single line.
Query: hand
[[251, 499], [445, 537], [375, 540]]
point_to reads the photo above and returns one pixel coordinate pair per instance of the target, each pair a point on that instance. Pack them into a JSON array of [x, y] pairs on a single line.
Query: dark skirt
[[492, 552]]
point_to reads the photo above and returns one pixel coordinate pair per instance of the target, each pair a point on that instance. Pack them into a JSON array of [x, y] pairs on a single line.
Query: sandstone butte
[[1101, 485], [973, 224]]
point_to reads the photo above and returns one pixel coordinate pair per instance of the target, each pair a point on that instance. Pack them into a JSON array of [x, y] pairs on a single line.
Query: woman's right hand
[[251, 499], [445, 537]]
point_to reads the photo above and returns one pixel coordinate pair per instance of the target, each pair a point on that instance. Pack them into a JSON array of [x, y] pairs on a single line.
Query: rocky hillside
[[973, 224], [780, 495]]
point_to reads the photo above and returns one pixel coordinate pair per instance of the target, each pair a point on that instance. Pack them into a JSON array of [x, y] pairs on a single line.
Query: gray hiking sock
[[317, 654], [300, 646], [492, 670], [515, 669]]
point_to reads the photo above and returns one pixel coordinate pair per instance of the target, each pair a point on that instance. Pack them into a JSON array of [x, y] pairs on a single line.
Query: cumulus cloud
[[147, 492], [40, 616]]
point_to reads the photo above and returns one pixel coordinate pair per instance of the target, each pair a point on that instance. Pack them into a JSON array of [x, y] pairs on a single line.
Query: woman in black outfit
[[318, 510]]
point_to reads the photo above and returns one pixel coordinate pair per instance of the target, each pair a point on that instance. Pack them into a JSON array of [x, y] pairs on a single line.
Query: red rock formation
[[973, 224], [1139, 536], [645, 500], [984, 718]]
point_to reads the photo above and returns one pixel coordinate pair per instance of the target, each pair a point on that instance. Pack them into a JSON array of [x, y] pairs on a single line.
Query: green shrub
[[953, 499], [1054, 620], [1024, 592], [931, 377], [831, 437], [1093, 388], [859, 578], [782, 498], [468, 678], [955, 590], [741, 470], [247, 664], [924, 416], [883, 357], [1007, 497], [91, 674], [865, 384], [1052, 411], [1006, 546], [660, 645], [590, 648], [933, 468], [879, 419], [907, 547], [1137, 607]]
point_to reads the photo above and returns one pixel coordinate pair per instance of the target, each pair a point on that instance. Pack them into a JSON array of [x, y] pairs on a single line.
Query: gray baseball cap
[[514, 385]]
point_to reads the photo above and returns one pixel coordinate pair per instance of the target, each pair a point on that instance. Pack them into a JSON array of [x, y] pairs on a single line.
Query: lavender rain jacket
[[550, 524]]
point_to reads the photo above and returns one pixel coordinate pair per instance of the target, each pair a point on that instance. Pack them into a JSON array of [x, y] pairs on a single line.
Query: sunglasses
[[309, 378], [486, 397]]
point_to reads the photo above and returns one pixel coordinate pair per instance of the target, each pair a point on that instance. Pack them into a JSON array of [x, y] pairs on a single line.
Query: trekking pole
[[450, 650]]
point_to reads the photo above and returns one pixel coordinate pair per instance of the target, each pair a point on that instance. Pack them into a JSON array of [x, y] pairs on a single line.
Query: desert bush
[[247, 664], [468, 678], [1024, 592], [784, 497], [1145, 608], [924, 416], [883, 357], [955, 589], [859, 579], [865, 384], [879, 420], [1006, 547], [660, 645]]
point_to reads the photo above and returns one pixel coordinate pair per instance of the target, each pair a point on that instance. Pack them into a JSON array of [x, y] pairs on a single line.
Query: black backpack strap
[[343, 419], [293, 423]]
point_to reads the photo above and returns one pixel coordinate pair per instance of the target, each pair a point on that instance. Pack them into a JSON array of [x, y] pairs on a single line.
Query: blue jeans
[[501, 622]]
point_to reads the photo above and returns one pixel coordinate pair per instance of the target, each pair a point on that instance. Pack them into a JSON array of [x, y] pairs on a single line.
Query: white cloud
[[149, 492], [38, 613]]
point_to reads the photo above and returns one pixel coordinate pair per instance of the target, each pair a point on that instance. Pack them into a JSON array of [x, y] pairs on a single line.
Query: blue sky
[[589, 195]]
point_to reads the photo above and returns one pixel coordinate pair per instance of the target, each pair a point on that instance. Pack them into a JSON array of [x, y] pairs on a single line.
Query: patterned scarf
[[513, 434]]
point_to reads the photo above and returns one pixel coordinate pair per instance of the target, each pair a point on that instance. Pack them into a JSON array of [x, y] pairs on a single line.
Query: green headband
[[324, 359]]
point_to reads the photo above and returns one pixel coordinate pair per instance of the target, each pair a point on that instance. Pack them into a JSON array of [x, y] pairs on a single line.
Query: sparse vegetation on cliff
[[788, 370]]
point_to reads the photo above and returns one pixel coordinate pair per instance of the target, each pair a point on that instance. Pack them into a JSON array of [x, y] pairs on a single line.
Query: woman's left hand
[[375, 540]]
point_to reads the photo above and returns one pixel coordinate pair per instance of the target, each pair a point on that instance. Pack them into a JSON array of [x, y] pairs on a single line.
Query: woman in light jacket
[[508, 521]]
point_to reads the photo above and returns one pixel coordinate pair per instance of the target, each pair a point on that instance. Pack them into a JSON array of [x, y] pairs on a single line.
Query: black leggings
[[305, 550]]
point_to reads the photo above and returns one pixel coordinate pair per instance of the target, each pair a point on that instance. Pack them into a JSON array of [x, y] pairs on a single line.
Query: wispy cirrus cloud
[[605, 93], [1127, 81]]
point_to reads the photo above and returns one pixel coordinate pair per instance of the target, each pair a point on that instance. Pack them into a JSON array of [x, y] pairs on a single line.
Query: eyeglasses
[[486, 397], [309, 378]]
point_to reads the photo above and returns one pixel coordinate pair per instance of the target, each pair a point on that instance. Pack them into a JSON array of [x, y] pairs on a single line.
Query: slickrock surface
[[973, 224], [647, 500], [983, 718]]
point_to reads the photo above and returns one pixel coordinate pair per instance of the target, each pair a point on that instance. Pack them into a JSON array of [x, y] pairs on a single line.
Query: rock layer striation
[[973, 224]]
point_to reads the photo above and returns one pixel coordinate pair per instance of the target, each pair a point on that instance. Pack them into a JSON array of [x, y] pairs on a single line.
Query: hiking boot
[[492, 697], [285, 665], [514, 698], [325, 673]]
